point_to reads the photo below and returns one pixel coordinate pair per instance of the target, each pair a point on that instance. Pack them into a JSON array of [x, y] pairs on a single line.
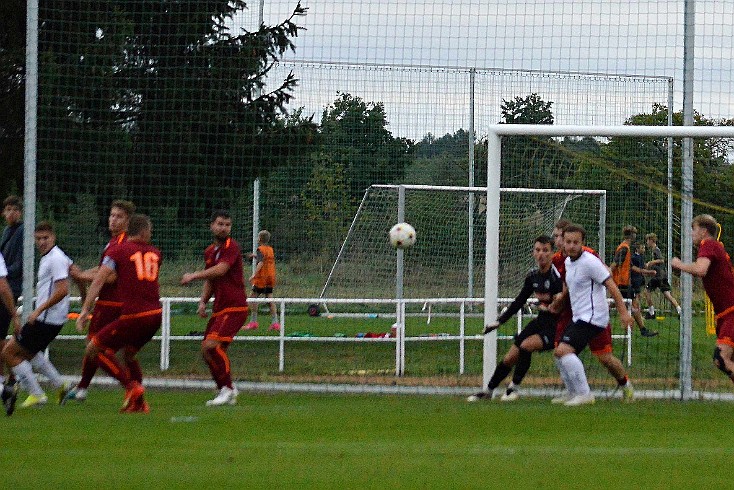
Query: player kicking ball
[[545, 283]]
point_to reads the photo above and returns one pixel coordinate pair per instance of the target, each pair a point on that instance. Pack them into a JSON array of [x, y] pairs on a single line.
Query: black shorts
[[4, 321], [265, 290], [35, 337], [658, 283], [628, 292], [544, 326], [578, 335]]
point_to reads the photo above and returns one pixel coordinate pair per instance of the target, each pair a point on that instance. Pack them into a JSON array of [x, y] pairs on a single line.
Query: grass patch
[[331, 441]]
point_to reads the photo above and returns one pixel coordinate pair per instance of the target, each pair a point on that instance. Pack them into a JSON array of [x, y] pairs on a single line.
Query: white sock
[[564, 376], [24, 374], [651, 310], [576, 374], [42, 365]]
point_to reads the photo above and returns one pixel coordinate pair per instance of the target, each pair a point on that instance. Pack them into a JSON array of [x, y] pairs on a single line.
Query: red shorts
[[105, 312], [129, 330], [725, 330], [602, 343], [224, 325]]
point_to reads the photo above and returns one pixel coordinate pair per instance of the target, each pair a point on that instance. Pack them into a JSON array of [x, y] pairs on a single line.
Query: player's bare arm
[[103, 275], [206, 294], [699, 268], [211, 273], [61, 289], [6, 295]]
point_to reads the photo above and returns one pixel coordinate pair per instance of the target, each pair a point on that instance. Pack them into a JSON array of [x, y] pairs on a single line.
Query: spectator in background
[[660, 280]]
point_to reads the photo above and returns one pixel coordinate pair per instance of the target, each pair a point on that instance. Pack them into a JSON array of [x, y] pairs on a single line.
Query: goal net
[[448, 259]]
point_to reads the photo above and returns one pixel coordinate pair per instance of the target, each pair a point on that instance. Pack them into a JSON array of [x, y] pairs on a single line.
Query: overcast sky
[[642, 38]]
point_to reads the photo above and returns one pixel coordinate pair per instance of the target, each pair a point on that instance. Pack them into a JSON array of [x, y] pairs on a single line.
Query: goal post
[[496, 132]]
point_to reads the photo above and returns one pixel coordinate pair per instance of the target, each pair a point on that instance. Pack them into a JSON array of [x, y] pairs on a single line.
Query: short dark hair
[[562, 223], [628, 231], [138, 223], [14, 201], [545, 240], [44, 226], [126, 206], [651, 236], [708, 222], [220, 213], [574, 228]]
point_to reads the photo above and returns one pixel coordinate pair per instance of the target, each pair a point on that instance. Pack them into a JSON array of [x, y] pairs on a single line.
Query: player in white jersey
[[588, 281], [24, 352]]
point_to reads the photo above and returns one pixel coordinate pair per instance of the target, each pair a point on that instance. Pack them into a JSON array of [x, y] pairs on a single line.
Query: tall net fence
[[181, 106]]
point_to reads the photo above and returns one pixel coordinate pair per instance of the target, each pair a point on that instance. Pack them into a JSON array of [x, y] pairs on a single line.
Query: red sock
[[136, 372], [89, 367], [114, 368], [219, 367]]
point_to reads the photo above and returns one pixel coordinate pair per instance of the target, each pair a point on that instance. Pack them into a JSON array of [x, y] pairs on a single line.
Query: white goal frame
[[495, 133]]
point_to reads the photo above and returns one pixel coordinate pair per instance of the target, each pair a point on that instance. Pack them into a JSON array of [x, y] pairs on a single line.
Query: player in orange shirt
[[135, 264], [263, 279]]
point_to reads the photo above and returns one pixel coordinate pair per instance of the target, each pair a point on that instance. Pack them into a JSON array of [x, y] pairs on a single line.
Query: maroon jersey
[[719, 280], [229, 289], [108, 293], [137, 265]]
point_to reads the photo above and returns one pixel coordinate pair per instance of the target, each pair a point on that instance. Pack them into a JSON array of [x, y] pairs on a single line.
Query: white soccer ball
[[402, 235]]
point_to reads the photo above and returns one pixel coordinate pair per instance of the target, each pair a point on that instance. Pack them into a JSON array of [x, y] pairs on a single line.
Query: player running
[[713, 266], [107, 308], [136, 264]]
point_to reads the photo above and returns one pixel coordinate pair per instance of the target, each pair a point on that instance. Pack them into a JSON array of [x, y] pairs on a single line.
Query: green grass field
[[343, 441]]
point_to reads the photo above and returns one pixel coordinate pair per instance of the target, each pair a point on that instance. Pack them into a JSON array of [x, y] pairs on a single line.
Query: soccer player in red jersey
[[601, 345], [223, 278], [713, 266], [135, 263], [107, 308]]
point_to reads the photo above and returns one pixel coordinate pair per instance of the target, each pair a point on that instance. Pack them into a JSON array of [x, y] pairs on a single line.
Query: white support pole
[[399, 306], [491, 257], [255, 218], [470, 221], [281, 339], [669, 242], [165, 334], [462, 324], [686, 320], [30, 155]]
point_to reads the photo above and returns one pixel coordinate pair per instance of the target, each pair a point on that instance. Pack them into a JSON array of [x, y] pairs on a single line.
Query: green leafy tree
[[354, 134]]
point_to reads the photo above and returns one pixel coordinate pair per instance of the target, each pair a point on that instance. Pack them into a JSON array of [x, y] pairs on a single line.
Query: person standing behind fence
[[637, 283], [107, 307], [11, 243], [223, 278], [660, 280], [713, 266], [7, 311], [24, 352], [263, 279]]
